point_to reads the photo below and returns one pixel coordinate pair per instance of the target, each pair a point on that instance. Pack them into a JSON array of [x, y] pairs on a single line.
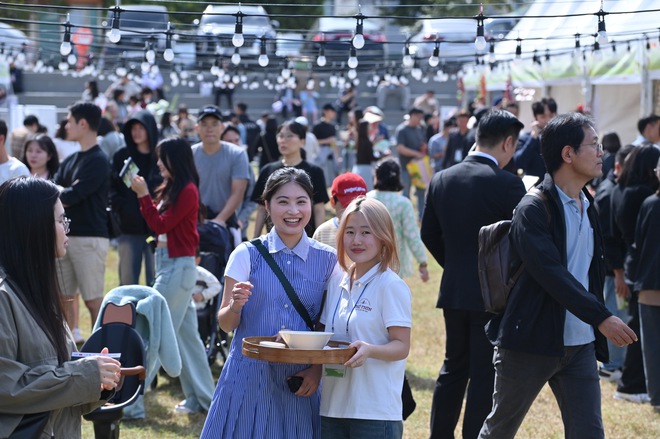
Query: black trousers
[[468, 365], [633, 378]]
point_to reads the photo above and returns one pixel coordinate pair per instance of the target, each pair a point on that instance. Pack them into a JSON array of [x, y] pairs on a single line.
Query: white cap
[[302, 120]]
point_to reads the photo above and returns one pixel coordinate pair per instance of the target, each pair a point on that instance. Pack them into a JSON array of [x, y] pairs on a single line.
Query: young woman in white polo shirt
[[368, 305]]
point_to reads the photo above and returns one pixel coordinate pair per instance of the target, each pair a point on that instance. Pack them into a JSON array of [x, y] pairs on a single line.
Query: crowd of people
[[425, 190]]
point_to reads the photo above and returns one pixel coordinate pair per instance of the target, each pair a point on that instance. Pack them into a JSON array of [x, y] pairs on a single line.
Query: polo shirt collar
[[274, 244]]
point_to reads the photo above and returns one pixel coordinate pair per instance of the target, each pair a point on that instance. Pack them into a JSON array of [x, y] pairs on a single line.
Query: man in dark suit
[[460, 141], [461, 200]]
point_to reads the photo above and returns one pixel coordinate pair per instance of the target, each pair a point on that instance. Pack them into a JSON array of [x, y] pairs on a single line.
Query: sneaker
[[609, 375], [77, 336], [639, 398], [182, 409]]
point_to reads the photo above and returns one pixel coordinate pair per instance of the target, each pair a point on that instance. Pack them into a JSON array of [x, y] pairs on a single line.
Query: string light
[[150, 53], [648, 42], [65, 47], [434, 60], [518, 48], [480, 42], [263, 57], [407, 59], [115, 35], [321, 61], [168, 54], [237, 40], [352, 59], [358, 39], [491, 53], [577, 44], [236, 57], [602, 32]]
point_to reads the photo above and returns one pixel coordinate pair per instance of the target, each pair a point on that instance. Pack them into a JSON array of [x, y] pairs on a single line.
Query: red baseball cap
[[348, 186]]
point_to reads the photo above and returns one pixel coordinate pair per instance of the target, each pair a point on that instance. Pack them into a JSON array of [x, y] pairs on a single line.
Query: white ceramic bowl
[[305, 339]]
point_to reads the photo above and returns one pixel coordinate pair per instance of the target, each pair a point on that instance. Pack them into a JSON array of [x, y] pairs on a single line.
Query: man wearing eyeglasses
[[555, 324]]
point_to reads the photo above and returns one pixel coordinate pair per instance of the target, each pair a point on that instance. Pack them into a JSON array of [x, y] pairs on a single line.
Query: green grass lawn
[[622, 420]]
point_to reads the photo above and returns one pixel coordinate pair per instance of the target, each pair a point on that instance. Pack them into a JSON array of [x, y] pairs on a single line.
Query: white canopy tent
[[616, 87]]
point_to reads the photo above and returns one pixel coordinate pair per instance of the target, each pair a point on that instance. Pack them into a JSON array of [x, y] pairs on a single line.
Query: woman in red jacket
[[173, 217]]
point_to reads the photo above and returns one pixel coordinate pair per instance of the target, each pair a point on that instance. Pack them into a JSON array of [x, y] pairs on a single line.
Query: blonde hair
[[380, 222]]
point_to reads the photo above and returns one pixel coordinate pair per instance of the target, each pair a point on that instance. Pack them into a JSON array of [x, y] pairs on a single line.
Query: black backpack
[[494, 261]]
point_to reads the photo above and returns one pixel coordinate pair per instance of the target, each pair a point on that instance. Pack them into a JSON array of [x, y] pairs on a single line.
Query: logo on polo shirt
[[363, 305]]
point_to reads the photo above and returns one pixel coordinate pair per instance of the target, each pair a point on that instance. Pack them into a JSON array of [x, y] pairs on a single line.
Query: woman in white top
[[369, 305]]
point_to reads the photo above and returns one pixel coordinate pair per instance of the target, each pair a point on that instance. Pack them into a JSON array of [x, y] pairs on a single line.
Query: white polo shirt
[[376, 302]]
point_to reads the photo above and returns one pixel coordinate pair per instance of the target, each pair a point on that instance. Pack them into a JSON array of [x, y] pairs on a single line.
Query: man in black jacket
[[555, 323], [84, 180], [460, 200]]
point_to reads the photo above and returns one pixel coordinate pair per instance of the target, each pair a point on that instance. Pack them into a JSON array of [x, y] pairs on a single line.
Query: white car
[[217, 26], [456, 37]]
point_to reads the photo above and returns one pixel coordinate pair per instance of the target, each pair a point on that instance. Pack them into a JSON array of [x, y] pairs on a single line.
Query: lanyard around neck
[[348, 319]]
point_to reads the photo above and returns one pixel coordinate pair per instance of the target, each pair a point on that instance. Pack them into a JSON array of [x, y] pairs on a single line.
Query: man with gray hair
[[555, 324]]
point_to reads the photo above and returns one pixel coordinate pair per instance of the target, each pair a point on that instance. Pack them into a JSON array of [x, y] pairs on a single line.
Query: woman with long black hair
[[35, 343], [174, 220]]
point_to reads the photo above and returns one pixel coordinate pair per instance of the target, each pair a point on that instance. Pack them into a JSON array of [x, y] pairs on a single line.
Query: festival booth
[[617, 84]]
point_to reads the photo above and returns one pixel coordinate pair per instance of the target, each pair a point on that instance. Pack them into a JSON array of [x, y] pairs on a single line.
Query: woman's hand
[[240, 294], [311, 379], [424, 273], [360, 357], [139, 186], [109, 370]]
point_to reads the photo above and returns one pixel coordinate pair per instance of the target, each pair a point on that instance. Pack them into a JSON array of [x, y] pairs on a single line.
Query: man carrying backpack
[[460, 200], [555, 324]]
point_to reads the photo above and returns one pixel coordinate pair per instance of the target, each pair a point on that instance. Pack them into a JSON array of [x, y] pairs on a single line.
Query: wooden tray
[[252, 349]]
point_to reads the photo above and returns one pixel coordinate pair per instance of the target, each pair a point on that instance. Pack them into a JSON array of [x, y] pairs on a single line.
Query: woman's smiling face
[[290, 209]]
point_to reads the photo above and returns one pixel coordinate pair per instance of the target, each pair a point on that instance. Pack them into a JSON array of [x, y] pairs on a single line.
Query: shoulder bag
[[295, 300]]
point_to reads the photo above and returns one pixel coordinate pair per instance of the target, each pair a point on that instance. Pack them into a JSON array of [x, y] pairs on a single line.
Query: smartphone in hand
[[129, 171]]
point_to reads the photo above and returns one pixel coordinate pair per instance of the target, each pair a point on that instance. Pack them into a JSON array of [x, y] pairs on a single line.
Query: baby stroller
[[117, 333], [215, 246]]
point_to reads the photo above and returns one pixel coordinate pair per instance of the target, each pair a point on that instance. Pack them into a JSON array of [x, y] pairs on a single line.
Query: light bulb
[[237, 40], [63, 66], [150, 56], [416, 73], [434, 61], [114, 35], [321, 61], [286, 73], [352, 74], [215, 70], [71, 59], [408, 61], [236, 58], [121, 71], [263, 60], [602, 37], [480, 43], [352, 62], [65, 48], [168, 55], [358, 41]]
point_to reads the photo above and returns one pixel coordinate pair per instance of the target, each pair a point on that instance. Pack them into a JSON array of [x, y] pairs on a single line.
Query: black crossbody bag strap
[[293, 297]]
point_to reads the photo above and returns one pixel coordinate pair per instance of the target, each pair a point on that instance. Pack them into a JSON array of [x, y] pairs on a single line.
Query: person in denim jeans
[[174, 220], [369, 306]]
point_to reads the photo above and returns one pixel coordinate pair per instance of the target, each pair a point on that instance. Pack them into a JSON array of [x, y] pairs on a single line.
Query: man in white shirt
[[10, 167]]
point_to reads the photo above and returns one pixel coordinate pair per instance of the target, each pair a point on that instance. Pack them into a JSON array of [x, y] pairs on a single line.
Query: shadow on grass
[[419, 383]]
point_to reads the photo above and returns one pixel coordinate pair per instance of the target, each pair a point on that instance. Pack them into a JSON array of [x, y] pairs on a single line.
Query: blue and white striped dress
[[252, 399]]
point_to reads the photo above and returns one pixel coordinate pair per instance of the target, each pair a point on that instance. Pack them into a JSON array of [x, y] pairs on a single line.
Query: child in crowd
[[207, 286]]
